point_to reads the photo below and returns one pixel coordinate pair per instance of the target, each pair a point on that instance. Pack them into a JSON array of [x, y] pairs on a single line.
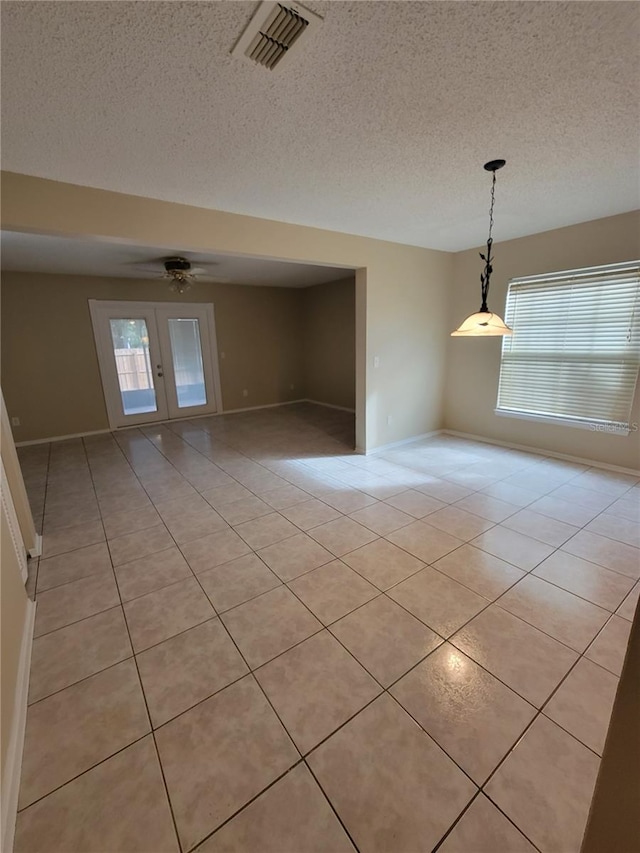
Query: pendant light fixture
[[485, 322]]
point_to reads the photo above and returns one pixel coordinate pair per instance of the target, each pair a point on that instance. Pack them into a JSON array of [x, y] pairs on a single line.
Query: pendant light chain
[[488, 269]]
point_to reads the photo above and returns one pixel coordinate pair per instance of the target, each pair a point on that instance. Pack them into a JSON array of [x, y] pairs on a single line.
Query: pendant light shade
[[484, 322]]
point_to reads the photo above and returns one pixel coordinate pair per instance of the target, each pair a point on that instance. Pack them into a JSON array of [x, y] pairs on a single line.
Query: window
[[575, 350]]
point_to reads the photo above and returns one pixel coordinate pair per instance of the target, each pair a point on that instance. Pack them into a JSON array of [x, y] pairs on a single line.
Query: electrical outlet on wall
[[245, 393], [291, 387], [15, 421], [389, 420]]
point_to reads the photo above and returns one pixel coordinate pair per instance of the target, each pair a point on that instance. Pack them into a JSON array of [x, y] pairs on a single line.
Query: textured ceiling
[[377, 124], [42, 253]]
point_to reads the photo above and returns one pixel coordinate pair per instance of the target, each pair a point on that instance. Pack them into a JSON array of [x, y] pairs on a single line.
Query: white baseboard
[[330, 406], [17, 725], [36, 551], [251, 408], [392, 445], [592, 463], [61, 437]]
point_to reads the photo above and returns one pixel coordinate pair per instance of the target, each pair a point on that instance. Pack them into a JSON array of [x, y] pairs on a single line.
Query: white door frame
[[98, 309]]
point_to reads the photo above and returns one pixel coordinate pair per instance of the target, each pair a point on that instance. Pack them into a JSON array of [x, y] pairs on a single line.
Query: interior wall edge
[[13, 766]]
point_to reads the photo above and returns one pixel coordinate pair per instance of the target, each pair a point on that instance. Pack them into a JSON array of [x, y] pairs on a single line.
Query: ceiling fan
[[180, 271]]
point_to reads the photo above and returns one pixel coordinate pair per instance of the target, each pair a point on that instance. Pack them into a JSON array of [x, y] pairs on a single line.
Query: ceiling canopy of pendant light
[[484, 322]]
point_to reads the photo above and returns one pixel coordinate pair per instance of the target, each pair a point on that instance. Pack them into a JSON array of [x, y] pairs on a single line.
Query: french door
[[158, 360]]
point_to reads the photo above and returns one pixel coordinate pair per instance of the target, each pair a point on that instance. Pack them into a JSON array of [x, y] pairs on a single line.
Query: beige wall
[[401, 298], [50, 371], [329, 342], [473, 363]]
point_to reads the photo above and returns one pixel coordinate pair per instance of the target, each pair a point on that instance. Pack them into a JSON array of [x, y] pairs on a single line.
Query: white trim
[[382, 447], [255, 408], [13, 765], [14, 525], [592, 463], [62, 437], [592, 426], [36, 551], [330, 406]]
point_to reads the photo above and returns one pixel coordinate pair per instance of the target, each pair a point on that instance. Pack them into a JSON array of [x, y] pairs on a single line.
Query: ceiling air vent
[[272, 31]]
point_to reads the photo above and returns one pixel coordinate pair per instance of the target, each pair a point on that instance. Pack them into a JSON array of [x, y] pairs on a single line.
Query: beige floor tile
[[133, 546], [74, 601], [310, 514], [55, 571], [214, 550], [493, 509], [628, 607], [525, 659], [180, 508], [70, 538], [140, 577], [567, 511], [416, 503], [290, 817], [332, 590], [315, 687], [541, 527], [545, 787], [132, 503], [70, 516], [441, 603], [583, 702], [121, 523], [238, 581], [270, 624], [221, 495], [294, 556], [627, 507], [391, 786], [474, 717], [562, 615], [168, 611], [425, 542], [219, 755], [484, 829], [511, 494], [284, 496], [119, 805], [65, 736], [382, 518], [70, 654], [610, 646], [266, 530], [612, 555], [342, 535], [184, 530], [383, 563], [443, 490], [244, 509], [522, 551], [485, 574], [386, 639], [347, 500], [620, 529], [599, 585], [464, 525], [184, 670]]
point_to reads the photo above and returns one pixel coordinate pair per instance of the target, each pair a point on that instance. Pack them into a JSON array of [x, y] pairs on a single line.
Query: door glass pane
[[131, 350], [187, 362]]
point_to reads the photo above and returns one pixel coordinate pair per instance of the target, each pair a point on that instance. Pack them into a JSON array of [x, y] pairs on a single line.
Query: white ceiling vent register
[[273, 31]]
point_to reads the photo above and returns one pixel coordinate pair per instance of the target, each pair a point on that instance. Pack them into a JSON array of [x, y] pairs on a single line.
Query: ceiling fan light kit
[[484, 322]]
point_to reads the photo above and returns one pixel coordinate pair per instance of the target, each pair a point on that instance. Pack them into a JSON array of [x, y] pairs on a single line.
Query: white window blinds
[[575, 349]]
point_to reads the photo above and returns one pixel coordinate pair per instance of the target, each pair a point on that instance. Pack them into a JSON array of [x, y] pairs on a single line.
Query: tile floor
[[250, 639]]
